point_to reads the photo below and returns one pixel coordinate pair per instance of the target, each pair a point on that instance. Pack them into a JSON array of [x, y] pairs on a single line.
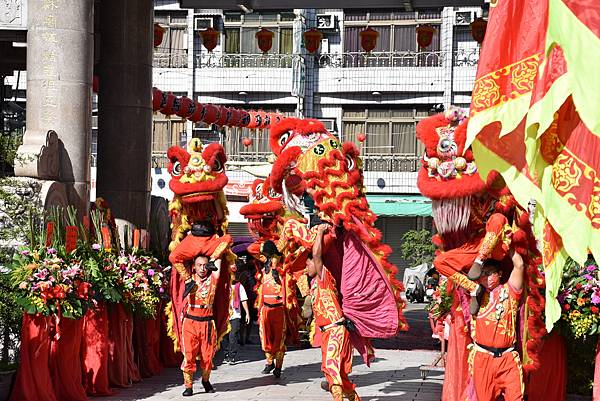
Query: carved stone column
[[56, 145]]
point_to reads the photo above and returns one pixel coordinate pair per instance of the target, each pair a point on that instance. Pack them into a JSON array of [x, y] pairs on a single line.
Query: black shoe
[[277, 372], [268, 369], [208, 388], [325, 385], [476, 300], [188, 392], [231, 361], [214, 367]]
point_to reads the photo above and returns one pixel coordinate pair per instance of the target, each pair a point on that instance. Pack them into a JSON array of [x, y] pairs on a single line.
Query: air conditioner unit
[[464, 17], [201, 23], [329, 124], [325, 21]]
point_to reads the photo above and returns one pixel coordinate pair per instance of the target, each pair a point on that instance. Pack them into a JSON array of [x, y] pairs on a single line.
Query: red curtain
[[65, 361], [117, 346], [596, 395], [33, 381], [94, 351], [133, 373], [146, 341], [549, 381], [168, 357]]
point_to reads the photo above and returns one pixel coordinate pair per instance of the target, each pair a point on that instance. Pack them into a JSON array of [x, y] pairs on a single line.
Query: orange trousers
[[272, 333], [336, 351], [495, 376], [199, 340]]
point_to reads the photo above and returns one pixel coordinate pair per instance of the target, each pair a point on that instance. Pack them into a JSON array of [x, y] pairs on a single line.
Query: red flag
[[49, 233], [71, 240], [106, 238]]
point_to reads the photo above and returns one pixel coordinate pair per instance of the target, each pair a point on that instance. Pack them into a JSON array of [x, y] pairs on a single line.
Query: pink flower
[[96, 247], [596, 296]]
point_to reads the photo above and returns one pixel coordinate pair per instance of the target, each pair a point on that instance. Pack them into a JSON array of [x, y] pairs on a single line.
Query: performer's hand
[[190, 286], [247, 320], [210, 266], [321, 228], [517, 259]]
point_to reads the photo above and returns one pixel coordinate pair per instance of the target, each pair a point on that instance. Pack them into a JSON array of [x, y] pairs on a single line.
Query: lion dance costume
[[199, 227], [276, 287], [476, 221], [314, 166]]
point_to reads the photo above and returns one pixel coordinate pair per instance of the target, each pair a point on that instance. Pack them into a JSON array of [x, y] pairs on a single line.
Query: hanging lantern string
[[188, 109]]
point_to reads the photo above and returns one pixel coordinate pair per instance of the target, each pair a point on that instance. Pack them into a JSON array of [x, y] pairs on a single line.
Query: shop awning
[[400, 205]]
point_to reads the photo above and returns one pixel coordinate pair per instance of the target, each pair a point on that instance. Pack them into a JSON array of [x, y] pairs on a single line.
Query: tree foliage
[[417, 247]]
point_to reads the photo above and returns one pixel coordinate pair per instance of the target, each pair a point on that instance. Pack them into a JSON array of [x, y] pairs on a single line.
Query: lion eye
[[176, 169], [284, 138], [217, 166]]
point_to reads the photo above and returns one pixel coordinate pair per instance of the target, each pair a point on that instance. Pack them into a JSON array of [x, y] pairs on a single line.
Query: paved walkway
[[394, 376]]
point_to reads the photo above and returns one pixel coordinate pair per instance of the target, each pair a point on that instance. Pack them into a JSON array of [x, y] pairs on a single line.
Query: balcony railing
[[394, 59], [391, 163], [380, 59], [172, 59], [213, 60], [372, 162]]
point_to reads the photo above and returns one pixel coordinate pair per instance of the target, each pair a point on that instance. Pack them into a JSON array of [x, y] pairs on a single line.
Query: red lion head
[[197, 174], [265, 209], [447, 170]]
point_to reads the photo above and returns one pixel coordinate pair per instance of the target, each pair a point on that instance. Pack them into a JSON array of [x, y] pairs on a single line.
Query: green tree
[[417, 247]]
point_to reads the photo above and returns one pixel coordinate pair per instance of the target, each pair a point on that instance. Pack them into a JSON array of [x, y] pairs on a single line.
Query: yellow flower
[[580, 301], [575, 313]]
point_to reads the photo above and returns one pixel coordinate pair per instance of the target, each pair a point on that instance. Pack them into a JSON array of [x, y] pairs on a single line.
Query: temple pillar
[[124, 108]]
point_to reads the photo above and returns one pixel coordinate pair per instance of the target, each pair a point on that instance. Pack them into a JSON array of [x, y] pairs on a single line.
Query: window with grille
[[173, 51], [391, 143], [166, 133], [240, 35]]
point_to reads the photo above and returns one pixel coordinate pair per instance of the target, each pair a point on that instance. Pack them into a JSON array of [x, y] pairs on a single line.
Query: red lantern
[[247, 142], [157, 98], [211, 114], [265, 40], [312, 40], [224, 116], [199, 112], [275, 118], [235, 118], [361, 137], [368, 39], [159, 32], [255, 120], [167, 106], [425, 35], [186, 107], [265, 120], [244, 118], [210, 37], [478, 27]]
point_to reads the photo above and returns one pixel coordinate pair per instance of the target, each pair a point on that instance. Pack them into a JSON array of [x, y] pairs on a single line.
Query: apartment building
[[382, 94]]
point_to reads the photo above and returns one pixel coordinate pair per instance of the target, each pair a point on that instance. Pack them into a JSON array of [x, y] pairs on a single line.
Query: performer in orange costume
[[336, 348], [495, 364], [199, 333], [272, 311]]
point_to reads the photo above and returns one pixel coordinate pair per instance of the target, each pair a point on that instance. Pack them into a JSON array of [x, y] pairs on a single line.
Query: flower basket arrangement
[[579, 298]]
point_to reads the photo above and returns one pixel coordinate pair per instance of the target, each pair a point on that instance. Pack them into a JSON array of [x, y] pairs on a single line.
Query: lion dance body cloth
[[313, 163]]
